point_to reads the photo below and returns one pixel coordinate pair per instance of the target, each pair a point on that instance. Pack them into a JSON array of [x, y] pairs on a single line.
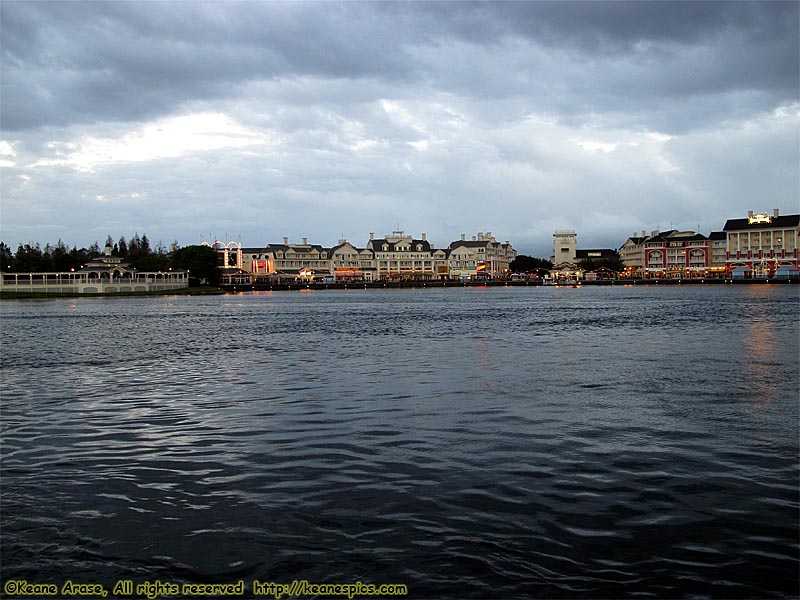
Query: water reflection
[[761, 361]]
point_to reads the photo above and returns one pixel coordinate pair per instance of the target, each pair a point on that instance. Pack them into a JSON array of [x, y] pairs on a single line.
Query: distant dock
[[355, 285]]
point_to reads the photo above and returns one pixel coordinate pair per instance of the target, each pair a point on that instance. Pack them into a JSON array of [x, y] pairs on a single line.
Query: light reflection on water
[[495, 442]]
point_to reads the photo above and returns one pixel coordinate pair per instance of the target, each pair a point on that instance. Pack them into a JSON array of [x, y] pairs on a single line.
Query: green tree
[[60, 257], [30, 259], [527, 264], [613, 263], [6, 259], [200, 261]]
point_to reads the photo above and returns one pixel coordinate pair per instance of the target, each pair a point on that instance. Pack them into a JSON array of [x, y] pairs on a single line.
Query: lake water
[[468, 443]]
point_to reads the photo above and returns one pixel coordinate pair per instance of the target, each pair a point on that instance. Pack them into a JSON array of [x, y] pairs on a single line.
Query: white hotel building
[[392, 257]]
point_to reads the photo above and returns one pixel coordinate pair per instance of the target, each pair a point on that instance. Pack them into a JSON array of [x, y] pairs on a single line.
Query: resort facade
[[760, 245], [395, 256]]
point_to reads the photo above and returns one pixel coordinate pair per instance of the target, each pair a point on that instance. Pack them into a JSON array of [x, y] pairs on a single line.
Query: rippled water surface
[[486, 442]]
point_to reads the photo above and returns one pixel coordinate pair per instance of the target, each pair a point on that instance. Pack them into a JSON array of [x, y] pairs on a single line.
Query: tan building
[[719, 247], [482, 256], [401, 256], [565, 245], [348, 263], [632, 254], [762, 245], [288, 261]]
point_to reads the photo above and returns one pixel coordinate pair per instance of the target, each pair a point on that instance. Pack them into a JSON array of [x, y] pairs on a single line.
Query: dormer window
[[385, 247], [419, 247]]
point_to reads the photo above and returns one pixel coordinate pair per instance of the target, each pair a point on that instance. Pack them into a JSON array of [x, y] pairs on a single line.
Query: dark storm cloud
[[68, 62], [73, 62], [268, 119]]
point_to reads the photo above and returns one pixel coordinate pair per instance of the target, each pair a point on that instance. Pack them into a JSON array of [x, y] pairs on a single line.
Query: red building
[[677, 254]]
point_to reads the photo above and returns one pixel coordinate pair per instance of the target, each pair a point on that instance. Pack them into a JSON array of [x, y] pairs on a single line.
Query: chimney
[[749, 214], [775, 213], [474, 238], [654, 233], [371, 235], [644, 233], [462, 237], [424, 237], [342, 241], [305, 241], [285, 241]]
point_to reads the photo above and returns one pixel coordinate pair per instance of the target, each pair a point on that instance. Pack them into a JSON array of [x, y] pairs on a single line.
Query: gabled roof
[[470, 243], [636, 240], [777, 222], [377, 245], [305, 248], [337, 246], [687, 238], [660, 237], [299, 248]]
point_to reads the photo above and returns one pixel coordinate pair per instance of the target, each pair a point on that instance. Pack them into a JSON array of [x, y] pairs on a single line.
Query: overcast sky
[[258, 120]]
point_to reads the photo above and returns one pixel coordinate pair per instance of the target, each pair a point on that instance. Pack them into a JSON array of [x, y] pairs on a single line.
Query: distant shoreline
[[492, 283], [278, 287]]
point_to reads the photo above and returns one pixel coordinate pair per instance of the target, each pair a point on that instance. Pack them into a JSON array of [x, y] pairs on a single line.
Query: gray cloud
[[76, 62], [447, 117]]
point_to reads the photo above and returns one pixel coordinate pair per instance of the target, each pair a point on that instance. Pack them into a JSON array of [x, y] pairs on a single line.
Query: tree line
[[58, 257], [200, 261], [528, 264]]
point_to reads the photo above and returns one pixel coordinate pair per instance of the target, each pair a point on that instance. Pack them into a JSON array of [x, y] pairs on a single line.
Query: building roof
[[377, 245], [106, 263], [603, 253], [675, 236], [717, 235], [693, 237], [635, 239], [776, 223], [337, 246], [471, 243], [299, 248]]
